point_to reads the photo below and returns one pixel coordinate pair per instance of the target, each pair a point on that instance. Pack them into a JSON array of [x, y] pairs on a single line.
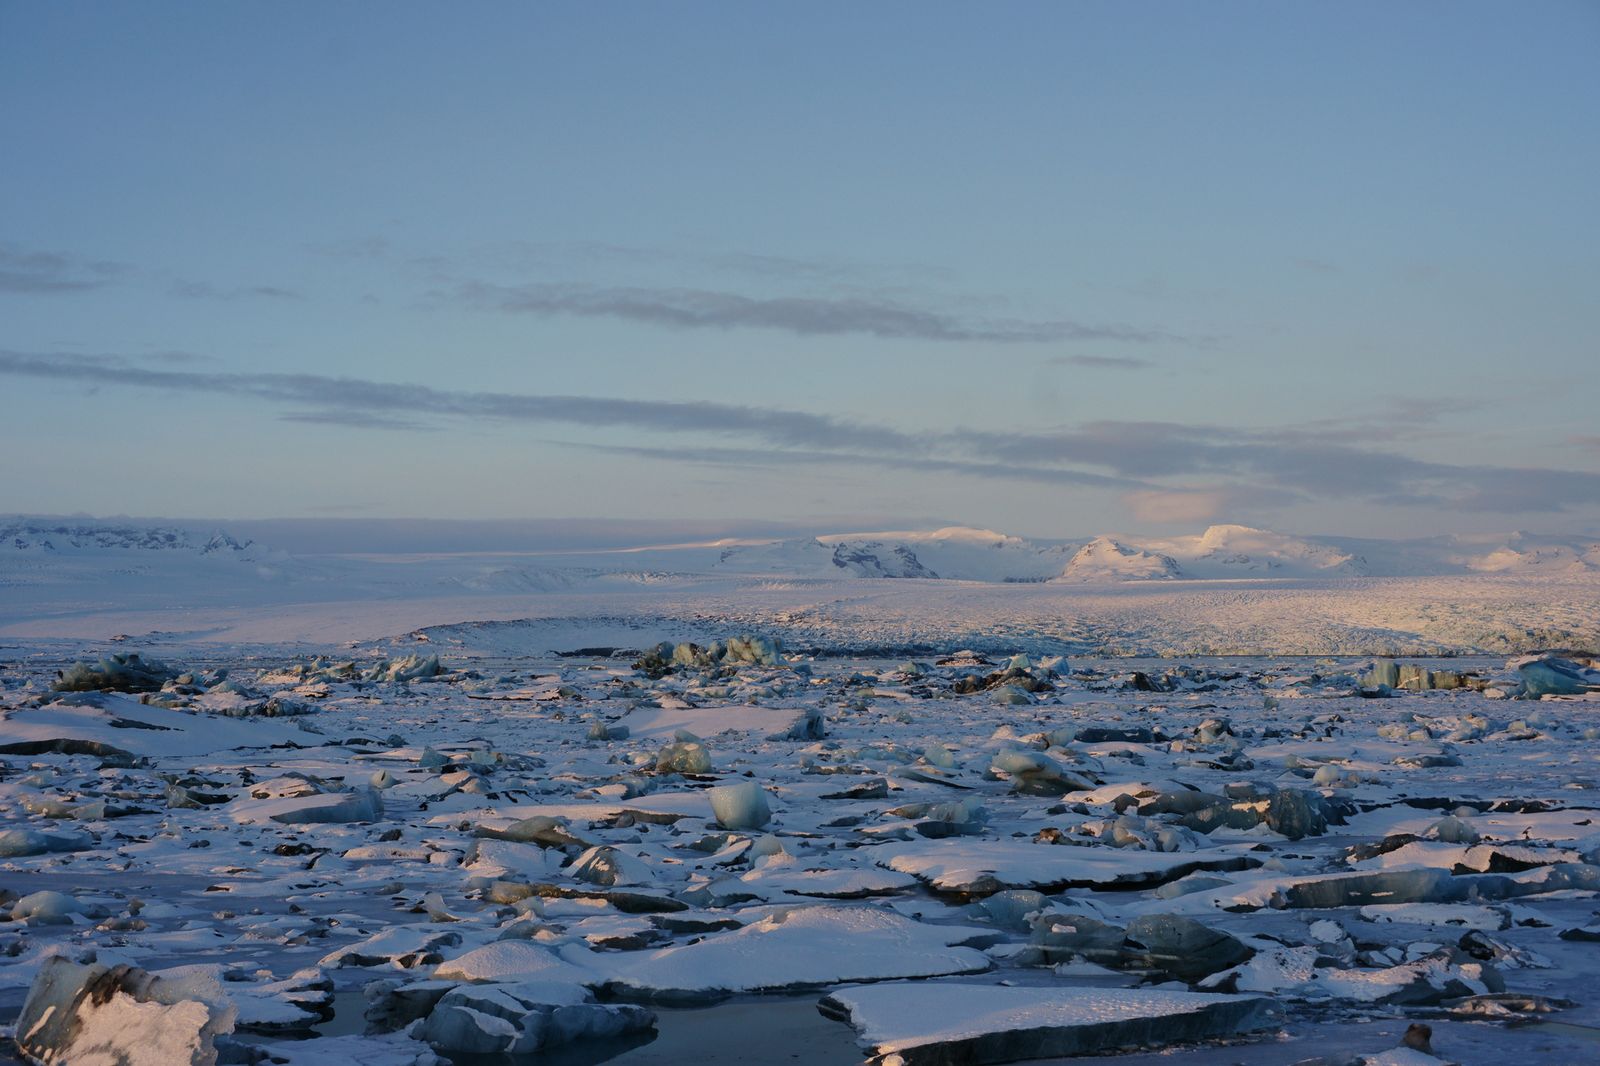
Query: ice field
[[297, 810]]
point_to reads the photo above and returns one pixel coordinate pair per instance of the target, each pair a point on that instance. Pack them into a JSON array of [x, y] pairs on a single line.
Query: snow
[[1236, 591], [512, 960]]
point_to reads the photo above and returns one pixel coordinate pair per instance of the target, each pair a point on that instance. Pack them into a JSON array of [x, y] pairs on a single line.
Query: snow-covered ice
[[940, 805]]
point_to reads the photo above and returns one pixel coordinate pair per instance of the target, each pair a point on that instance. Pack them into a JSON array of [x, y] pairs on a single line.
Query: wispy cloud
[[1195, 505], [1102, 362], [803, 315], [1296, 460], [201, 290], [357, 420], [1166, 467], [344, 395], [754, 458], [522, 256], [35, 272]]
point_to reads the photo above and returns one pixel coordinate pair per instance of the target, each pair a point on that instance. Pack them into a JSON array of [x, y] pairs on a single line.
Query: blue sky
[[1049, 268]]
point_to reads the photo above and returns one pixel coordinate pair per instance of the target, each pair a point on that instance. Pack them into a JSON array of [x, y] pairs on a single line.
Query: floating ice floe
[[523, 1018], [983, 867], [932, 1024], [109, 724], [793, 949]]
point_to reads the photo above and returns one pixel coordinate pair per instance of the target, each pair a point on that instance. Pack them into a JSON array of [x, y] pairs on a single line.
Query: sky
[[1055, 269]]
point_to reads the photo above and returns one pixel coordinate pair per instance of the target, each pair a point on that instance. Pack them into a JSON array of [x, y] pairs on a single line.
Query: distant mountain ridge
[[959, 553], [59, 537], [1221, 552]]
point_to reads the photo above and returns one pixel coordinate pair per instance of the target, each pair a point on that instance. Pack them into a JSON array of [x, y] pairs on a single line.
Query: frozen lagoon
[[500, 830]]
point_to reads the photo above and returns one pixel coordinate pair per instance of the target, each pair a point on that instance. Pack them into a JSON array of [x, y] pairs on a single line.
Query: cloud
[[38, 273], [1102, 362], [802, 315], [31, 272], [523, 256], [1194, 506], [1157, 463], [752, 458], [1295, 460], [356, 395], [356, 420], [201, 290]]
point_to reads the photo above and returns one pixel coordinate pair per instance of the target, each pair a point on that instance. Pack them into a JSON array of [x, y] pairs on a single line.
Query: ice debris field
[[758, 831]]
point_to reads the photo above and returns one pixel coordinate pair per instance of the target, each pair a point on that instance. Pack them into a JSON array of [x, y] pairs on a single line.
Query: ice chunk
[[109, 724], [18, 843], [1012, 907], [1384, 673], [763, 651], [984, 867], [1185, 948], [1550, 675], [605, 865], [1297, 814], [122, 672], [741, 806], [407, 668], [934, 1024], [317, 808], [116, 1016], [806, 947], [402, 947], [545, 830], [1036, 773], [48, 908], [684, 757], [513, 960], [522, 1018]]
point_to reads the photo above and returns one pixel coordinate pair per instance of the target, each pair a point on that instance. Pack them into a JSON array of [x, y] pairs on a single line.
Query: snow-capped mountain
[[1527, 553], [955, 553], [1222, 552], [1226, 551], [1105, 559], [67, 552]]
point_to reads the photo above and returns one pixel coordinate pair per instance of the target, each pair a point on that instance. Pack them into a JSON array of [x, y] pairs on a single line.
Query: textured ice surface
[[1378, 856]]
